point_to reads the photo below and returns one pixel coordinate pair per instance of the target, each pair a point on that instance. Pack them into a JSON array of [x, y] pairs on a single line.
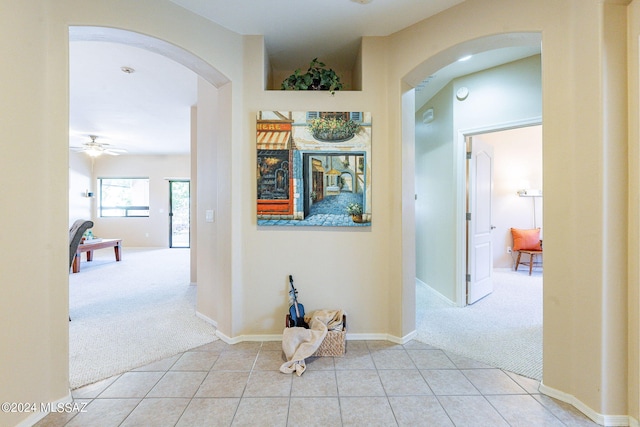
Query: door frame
[[171, 181], [460, 155]]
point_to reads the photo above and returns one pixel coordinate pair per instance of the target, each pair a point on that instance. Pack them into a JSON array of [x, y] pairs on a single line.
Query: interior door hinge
[[468, 155], [468, 277], [468, 216]]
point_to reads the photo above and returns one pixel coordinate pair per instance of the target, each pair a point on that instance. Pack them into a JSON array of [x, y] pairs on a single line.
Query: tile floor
[[376, 383]]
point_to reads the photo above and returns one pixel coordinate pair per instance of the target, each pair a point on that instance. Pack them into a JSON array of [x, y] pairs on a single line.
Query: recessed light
[[362, 1], [127, 70]]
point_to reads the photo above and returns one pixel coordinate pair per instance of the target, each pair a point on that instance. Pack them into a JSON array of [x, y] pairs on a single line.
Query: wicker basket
[[334, 343]]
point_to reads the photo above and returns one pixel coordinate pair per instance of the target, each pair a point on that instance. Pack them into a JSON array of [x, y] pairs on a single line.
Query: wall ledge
[[602, 419]]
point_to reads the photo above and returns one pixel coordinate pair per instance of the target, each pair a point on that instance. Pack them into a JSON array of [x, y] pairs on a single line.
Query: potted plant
[[317, 77], [355, 210]]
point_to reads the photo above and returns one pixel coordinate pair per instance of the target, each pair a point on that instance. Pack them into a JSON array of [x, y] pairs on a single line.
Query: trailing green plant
[[317, 77]]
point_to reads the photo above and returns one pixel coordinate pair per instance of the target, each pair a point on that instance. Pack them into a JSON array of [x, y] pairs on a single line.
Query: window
[[356, 116], [124, 197]]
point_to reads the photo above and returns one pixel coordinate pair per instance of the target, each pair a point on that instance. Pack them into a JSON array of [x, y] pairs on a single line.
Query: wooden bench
[[89, 247]]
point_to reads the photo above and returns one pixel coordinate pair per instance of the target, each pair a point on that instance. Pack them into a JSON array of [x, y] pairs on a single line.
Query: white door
[[479, 227]]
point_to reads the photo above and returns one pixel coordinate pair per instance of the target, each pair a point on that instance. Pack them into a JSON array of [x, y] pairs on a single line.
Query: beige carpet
[[503, 329], [129, 313]]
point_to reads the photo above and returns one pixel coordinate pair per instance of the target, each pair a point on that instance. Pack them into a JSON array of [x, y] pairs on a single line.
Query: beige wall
[[370, 272], [79, 183], [332, 268], [34, 170], [151, 231], [633, 306]]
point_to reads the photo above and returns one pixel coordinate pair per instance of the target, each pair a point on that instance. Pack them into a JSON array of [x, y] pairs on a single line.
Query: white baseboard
[[633, 422], [437, 294], [352, 337], [602, 419], [278, 337], [37, 416], [207, 319]]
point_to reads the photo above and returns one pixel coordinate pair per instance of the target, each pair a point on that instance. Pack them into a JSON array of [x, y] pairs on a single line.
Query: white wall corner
[[208, 320], [602, 419], [436, 294]]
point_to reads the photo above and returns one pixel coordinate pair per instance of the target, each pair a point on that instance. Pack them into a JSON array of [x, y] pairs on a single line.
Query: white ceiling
[[144, 112], [332, 27], [147, 111]]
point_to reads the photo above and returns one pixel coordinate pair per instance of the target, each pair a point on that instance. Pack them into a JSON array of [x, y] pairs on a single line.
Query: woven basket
[[334, 343]]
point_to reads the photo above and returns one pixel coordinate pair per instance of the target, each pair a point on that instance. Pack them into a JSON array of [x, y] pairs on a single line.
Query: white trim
[[405, 339], [207, 319], [435, 293], [37, 416], [633, 422], [604, 420], [351, 337], [226, 339], [502, 126], [460, 159]]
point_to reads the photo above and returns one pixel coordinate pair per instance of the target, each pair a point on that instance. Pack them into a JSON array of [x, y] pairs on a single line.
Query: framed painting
[[313, 168]]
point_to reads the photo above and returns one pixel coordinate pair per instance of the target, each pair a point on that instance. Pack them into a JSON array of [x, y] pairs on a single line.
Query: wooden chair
[[526, 242]]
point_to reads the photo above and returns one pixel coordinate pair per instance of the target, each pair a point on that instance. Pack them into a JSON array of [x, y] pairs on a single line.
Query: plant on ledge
[[333, 129], [317, 77]]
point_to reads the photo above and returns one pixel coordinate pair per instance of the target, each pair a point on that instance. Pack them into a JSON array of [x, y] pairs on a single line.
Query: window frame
[[127, 209]]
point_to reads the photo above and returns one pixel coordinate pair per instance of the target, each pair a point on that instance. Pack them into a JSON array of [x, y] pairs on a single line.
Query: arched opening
[[450, 104], [205, 83]]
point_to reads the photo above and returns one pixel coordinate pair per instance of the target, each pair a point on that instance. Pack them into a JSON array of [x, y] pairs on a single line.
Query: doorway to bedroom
[[509, 316], [492, 105]]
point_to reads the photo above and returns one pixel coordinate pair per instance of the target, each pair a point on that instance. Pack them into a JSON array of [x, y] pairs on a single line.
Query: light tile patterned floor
[[376, 383]]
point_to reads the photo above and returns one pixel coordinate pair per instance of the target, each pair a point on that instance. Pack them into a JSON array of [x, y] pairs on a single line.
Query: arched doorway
[[206, 82], [443, 243]]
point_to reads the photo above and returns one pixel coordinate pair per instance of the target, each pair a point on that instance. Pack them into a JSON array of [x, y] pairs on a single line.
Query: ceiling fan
[[95, 149]]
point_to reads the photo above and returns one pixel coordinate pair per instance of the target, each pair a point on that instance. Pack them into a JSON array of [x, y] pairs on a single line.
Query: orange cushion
[[526, 240]]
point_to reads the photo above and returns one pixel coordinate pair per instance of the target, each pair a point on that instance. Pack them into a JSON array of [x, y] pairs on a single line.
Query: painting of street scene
[[313, 168]]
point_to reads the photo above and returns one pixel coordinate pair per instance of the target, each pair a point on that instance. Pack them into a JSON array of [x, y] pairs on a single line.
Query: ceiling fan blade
[[111, 152]]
